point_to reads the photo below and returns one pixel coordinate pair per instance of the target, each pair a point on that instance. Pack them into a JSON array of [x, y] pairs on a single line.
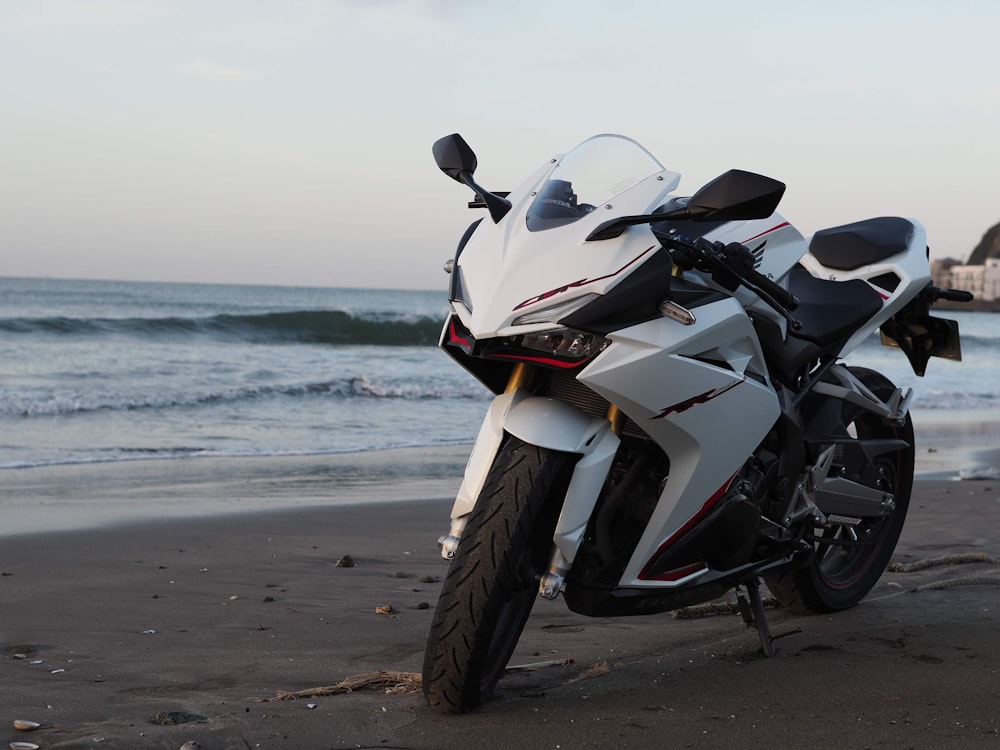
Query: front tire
[[847, 561], [493, 580]]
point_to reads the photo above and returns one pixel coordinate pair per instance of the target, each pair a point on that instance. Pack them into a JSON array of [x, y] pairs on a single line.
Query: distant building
[[991, 279], [969, 278], [983, 281], [941, 272]]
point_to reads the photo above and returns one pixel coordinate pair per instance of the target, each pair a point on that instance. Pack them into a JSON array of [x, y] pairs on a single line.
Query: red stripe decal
[[539, 360], [576, 284], [692, 522], [772, 229]]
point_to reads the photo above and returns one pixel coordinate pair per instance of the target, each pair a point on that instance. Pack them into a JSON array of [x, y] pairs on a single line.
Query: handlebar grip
[[780, 294]]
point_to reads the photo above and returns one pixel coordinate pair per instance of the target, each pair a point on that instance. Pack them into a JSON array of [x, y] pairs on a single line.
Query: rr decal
[[701, 398]]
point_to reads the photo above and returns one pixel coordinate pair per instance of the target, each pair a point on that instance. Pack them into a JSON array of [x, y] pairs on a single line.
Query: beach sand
[[166, 630]]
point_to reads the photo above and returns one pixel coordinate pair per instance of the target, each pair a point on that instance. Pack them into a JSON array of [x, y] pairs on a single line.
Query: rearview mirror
[[736, 195], [732, 196], [456, 159], [454, 156]]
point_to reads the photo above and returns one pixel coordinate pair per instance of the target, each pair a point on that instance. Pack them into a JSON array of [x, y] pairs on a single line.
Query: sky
[[267, 142]]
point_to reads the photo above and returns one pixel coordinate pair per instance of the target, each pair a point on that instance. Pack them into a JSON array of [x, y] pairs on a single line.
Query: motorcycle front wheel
[[848, 560], [493, 579]]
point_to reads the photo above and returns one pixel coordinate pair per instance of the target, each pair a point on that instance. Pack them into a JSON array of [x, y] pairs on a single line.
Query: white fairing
[[505, 266], [700, 391], [660, 374]]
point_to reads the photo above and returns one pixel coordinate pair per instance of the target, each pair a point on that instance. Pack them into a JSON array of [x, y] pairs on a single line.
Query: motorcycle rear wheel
[[492, 583], [838, 576]]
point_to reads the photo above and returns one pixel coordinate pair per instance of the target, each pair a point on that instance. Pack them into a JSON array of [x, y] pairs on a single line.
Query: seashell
[[23, 746], [191, 745], [25, 726]]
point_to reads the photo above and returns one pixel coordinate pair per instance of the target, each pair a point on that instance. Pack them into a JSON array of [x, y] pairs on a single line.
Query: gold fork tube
[[519, 377], [617, 418]]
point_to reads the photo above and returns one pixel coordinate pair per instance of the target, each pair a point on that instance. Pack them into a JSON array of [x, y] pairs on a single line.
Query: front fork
[[578, 507], [483, 451], [555, 425], [520, 377]]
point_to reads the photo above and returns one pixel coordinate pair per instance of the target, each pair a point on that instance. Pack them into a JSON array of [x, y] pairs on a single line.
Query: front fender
[[555, 425], [552, 424]]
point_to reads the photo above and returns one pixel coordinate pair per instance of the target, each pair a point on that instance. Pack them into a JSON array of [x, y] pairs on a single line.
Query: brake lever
[[711, 258]]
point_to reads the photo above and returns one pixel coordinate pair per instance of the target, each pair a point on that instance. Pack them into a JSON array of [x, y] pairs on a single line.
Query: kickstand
[[751, 608]]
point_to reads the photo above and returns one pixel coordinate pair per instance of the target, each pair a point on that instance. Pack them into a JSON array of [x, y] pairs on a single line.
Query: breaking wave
[[298, 326]]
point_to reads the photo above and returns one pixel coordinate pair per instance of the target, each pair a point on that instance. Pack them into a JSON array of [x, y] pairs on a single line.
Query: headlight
[[563, 342]]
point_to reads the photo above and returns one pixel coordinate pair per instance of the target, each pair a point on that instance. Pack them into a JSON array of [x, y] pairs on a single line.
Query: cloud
[[208, 70]]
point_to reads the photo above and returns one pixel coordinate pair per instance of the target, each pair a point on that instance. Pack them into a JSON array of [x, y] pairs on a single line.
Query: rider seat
[[851, 246], [830, 313]]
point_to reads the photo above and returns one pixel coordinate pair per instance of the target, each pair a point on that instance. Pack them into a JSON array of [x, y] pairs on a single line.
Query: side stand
[[751, 608]]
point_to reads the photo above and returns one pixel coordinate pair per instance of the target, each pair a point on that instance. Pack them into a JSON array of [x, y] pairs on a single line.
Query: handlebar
[[756, 278], [732, 265]]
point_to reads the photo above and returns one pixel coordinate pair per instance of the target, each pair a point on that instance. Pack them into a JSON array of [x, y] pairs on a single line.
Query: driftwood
[[386, 681], [393, 683]]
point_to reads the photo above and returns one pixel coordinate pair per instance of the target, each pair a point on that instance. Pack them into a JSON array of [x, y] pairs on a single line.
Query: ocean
[[95, 371], [107, 371]]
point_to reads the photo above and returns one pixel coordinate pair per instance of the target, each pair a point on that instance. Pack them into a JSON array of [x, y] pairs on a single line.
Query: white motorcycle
[[673, 419]]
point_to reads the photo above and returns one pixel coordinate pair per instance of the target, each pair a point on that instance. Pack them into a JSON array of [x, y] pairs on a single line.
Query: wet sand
[[158, 632]]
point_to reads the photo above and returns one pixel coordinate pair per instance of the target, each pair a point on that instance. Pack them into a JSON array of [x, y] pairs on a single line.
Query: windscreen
[[587, 177]]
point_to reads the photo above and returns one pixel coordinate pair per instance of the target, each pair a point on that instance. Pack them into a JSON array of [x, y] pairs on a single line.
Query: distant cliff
[[988, 247]]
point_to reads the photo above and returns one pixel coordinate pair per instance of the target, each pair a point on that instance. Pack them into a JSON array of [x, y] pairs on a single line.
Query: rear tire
[[837, 577], [493, 579]]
